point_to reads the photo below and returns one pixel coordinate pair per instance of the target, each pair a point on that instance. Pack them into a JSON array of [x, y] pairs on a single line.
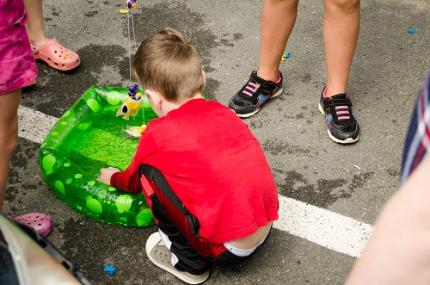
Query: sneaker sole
[[333, 138], [153, 241], [248, 115]]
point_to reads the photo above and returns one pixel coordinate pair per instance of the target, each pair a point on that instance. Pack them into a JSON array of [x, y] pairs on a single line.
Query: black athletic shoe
[[341, 123], [254, 94]]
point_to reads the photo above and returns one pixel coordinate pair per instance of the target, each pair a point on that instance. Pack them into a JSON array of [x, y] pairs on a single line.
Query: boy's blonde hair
[[167, 63]]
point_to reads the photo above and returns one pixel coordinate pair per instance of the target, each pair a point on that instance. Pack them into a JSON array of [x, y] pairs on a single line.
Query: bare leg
[[35, 27], [341, 27], [398, 251], [8, 136], [277, 23]]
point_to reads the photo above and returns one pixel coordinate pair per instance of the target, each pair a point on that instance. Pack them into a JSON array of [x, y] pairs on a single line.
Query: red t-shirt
[[215, 166]]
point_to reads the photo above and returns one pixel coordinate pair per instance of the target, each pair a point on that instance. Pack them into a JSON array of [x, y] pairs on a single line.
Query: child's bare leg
[[277, 23], [8, 136], [35, 27], [341, 27]]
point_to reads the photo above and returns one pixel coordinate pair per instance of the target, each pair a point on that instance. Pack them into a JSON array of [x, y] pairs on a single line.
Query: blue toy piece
[[286, 55], [110, 270], [412, 31]]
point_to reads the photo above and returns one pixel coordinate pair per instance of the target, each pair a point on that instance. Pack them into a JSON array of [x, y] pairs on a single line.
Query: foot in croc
[[56, 55], [40, 223]]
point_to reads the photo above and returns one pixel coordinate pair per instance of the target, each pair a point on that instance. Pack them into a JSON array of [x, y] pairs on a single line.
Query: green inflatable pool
[[86, 138]]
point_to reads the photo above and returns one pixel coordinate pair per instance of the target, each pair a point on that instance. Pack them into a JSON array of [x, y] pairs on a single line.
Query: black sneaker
[[342, 125], [254, 94]]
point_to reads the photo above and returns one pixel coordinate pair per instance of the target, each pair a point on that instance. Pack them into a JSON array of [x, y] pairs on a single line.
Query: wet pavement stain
[[299, 116], [306, 78], [318, 84], [226, 42], [55, 91], [90, 244], [358, 180], [191, 24], [55, 12], [278, 147], [180, 17], [393, 172], [91, 13], [256, 123], [23, 153], [321, 195], [211, 88], [238, 36], [325, 192]]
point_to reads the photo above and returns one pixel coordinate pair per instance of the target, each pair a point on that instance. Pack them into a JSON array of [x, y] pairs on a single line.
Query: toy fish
[[135, 131], [131, 4], [132, 104]]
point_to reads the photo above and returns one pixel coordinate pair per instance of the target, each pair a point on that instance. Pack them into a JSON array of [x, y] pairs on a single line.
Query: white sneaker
[[160, 255]]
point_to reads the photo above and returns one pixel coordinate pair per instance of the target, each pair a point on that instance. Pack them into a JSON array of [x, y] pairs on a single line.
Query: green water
[[104, 144]]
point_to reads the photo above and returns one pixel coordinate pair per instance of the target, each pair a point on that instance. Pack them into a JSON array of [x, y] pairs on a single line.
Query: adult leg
[[398, 251]]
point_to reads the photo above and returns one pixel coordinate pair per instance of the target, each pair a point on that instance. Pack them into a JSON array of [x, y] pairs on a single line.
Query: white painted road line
[[34, 125], [318, 225], [323, 227]]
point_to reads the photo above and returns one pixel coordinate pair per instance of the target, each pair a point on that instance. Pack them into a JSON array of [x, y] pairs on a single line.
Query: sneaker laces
[[250, 88], [342, 110]]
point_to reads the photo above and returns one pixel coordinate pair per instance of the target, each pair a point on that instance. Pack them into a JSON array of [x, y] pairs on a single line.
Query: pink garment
[[17, 65]]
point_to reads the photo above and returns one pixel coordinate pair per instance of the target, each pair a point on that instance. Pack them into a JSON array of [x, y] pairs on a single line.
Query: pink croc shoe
[[40, 223], [56, 56]]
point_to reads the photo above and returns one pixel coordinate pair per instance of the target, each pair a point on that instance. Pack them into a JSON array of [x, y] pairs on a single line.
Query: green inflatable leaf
[[48, 163], [123, 203], [94, 206], [94, 105]]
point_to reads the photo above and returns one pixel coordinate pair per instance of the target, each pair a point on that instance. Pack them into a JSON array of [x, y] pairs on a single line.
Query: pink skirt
[[17, 66]]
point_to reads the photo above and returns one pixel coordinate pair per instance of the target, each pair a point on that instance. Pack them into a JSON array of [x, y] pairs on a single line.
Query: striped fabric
[[418, 135]]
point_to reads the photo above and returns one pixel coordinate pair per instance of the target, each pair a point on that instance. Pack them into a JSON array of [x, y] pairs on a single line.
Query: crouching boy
[[203, 173]]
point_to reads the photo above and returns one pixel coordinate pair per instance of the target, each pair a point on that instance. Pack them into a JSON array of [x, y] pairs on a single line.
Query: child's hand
[[106, 174]]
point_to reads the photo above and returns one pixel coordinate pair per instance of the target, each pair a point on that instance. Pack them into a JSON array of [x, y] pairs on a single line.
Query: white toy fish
[[135, 131]]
